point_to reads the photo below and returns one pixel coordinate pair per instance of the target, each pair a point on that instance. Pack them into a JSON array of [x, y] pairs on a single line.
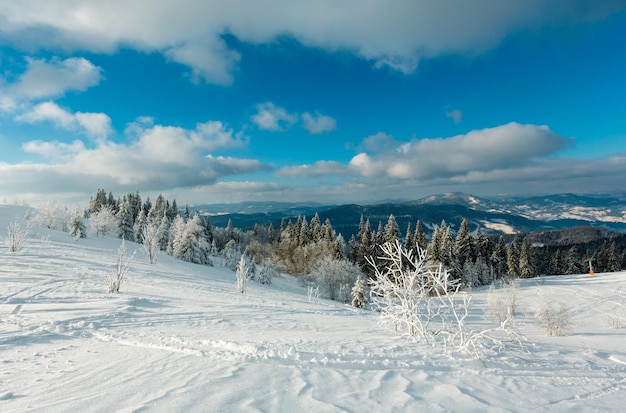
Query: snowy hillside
[[179, 338]]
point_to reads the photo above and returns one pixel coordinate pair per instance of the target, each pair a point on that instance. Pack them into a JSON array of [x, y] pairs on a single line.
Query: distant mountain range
[[494, 216]]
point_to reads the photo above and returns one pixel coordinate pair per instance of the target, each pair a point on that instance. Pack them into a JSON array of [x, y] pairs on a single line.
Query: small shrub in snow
[[502, 302], [150, 240], [336, 277], [313, 293], [359, 298], [555, 318], [615, 318], [266, 274], [121, 269], [16, 237], [421, 300], [242, 274], [52, 216]]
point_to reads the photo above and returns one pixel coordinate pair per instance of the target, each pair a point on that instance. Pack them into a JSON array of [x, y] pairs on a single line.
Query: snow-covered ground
[[178, 338]]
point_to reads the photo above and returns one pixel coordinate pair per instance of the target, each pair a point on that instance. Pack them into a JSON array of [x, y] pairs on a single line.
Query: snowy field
[[178, 338]]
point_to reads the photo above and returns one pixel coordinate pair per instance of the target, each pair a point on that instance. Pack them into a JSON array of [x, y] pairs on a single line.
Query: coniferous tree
[[572, 264], [499, 258], [76, 225], [359, 299], [419, 239], [464, 245], [125, 218], [140, 225], [526, 259], [391, 230]]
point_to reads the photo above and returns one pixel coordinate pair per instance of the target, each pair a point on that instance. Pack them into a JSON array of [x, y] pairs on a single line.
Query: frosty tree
[[359, 299], [76, 226], [242, 274], [422, 301]]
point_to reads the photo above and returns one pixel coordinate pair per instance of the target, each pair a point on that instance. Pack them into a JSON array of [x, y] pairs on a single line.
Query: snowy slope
[[179, 338]]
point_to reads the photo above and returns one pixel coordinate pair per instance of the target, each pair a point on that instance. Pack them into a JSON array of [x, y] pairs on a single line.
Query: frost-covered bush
[[231, 255], [16, 237], [336, 277], [422, 301], [266, 274], [554, 317], [104, 221], [502, 300], [52, 216], [121, 269], [242, 275], [150, 241]]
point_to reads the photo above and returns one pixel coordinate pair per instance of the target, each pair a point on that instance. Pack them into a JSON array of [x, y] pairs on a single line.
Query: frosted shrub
[[242, 274], [16, 237], [150, 240], [104, 221], [425, 304], [336, 278], [266, 274], [52, 216], [313, 293], [555, 318], [502, 301], [121, 269]]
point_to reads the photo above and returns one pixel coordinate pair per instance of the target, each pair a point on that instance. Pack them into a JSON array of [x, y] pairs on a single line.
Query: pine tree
[[512, 258], [419, 239], [464, 245], [125, 218], [526, 259], [572, 264], [359, 299], [499, 258], [140, 225], [408, 239], [76, 225], [391, 230], [613, 263]]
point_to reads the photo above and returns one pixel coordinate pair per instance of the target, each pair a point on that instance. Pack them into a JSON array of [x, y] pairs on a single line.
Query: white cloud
[[380, 142], [93, 125], [162, 157], [318, 123], [52, 78], [483, 150], [273, 118], [455, 114], [189, 31], [319, 168]]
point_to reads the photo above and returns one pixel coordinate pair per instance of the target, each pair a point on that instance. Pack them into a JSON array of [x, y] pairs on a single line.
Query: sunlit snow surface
[[178, 338]]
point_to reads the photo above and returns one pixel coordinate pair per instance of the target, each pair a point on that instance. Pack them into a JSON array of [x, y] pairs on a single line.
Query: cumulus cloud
[[455, 114], [94, 125], [318, 123], [162, 157], [52, 78], [319, 168], [379, 142], [483, 150], [273, 118], [396, 37]]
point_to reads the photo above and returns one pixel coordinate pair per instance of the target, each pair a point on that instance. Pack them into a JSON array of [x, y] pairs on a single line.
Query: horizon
[[212, 103]]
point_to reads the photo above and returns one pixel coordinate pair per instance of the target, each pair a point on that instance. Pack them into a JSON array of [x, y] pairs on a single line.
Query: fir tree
[[76, 225], [359, 299]]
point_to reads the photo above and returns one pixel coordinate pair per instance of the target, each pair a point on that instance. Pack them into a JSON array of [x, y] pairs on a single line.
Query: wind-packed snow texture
[[178, 337]]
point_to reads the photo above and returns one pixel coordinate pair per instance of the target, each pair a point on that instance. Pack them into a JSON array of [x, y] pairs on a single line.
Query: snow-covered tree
[[16, 237], [331, 274], [359, 298], [125, 218], [526, 260], [103, 221], [140, 225], [242, 274], [52, 216], [150, 241], [121, 269], [392, 230], [76, 226]]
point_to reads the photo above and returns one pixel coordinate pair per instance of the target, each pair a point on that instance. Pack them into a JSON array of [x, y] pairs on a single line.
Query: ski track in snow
[[179, 338]]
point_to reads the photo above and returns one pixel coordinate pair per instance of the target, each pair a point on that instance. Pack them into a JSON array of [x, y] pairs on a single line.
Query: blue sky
[[326, 101]]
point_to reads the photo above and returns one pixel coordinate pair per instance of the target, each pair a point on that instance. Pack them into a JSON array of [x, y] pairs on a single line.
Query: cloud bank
[[396, 36]]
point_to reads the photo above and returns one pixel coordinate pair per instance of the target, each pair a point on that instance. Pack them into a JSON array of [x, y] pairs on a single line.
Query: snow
[[179, 338], [499, 225]]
